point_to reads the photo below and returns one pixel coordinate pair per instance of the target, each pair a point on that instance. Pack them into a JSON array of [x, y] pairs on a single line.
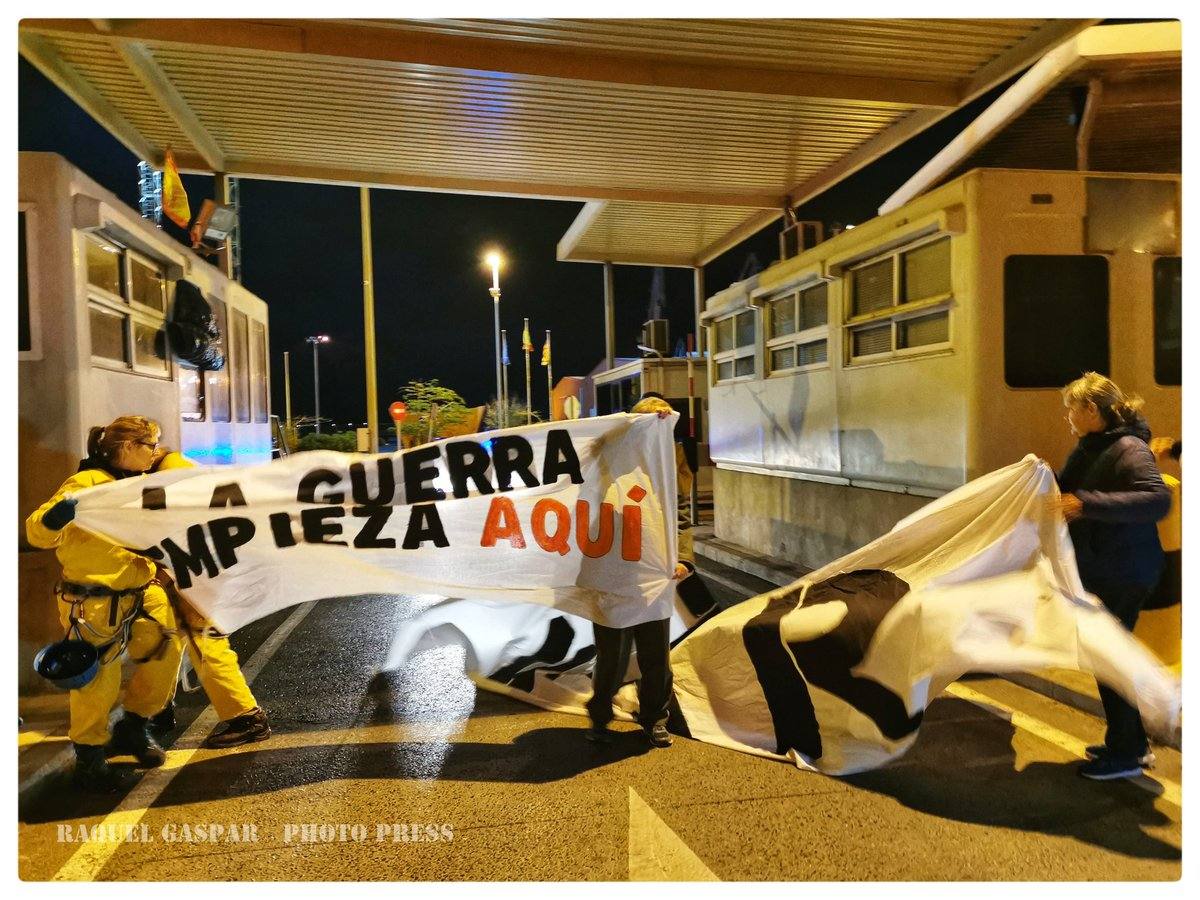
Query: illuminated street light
[[494, 260]]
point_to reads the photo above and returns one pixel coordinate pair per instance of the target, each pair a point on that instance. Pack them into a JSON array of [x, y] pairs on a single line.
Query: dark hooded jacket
[[1114, 475]]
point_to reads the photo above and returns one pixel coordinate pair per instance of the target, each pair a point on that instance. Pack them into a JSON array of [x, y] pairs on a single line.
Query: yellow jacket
[[1170, 529], [84, 557]]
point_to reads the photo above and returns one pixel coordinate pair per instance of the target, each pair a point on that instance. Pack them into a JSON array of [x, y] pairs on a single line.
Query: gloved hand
[[60, 514]]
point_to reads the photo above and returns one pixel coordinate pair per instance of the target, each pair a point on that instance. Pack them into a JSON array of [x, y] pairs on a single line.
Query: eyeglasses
[[152, 446]]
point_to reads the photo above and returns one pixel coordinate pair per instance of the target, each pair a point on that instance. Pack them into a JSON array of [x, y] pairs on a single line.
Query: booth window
[[1168, 320], [239, 373], [126, 308], [108, 335], [147, 284], [900, 304], [104, 266], [150, 350], [191, 394], [618, 396], [258, 371], [798, 329], [735, 339], [1055, 319], [216, 384]]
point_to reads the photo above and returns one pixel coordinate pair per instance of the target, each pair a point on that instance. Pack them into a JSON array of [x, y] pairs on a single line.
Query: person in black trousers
[[1111, 496], [652, 639]]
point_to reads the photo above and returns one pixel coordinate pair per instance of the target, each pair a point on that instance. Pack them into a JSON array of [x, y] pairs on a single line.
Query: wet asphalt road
[[495, 789]]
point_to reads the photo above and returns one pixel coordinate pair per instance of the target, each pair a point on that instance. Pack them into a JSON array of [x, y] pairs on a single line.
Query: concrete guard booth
[[903, 358], [96, 289], [618, 388]]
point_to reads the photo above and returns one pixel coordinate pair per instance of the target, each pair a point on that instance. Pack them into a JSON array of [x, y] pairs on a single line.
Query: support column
[[698, 303], [221, 196], [610, 329], [369, 320], [1087, 123]]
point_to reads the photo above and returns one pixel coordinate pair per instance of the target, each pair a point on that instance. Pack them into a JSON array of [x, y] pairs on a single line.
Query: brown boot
[[244, 729]]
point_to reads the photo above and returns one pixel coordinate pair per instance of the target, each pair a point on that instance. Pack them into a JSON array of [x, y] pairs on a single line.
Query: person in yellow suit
[[243, 721], [117, 600]]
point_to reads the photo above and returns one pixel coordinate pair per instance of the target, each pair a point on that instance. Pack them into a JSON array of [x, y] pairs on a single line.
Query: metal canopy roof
[[685, 135], [1108, 100]]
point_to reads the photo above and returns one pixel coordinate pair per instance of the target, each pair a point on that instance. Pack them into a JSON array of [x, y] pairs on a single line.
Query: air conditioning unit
[[798, 237], [656, 336]]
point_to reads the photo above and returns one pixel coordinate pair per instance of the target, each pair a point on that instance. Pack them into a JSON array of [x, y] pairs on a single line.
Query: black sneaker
[[598, 735], [164, 721], [244, 729], [93, 773], [131, 735], [1109, 768], [658, 735], [1146, 760]]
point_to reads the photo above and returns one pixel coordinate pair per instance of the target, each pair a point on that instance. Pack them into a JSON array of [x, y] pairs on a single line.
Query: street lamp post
[[493, 260], [316, 340]]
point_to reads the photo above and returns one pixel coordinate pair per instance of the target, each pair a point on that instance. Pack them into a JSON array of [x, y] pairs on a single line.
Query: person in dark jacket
[[1111, 497]]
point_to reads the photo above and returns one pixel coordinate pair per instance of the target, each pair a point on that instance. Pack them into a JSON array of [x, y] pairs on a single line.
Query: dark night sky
[[301, 253]]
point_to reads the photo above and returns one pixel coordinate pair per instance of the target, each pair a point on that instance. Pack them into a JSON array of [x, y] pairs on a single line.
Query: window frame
[[736, 352], [214, 379], [260, 393], [898, 311], [131, 312], [238, 408], [1155, 321], [799, 337], [129, 257]]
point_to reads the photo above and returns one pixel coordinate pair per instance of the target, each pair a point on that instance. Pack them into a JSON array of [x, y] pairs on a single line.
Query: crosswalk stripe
[[86, 862], [1169, 791], [656, 853]]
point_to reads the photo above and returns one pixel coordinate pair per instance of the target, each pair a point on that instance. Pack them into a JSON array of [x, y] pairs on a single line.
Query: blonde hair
[[105, 440], [1115, 406], [652, 405]]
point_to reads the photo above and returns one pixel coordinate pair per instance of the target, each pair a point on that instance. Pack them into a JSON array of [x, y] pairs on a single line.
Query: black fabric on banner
[[827, 661]]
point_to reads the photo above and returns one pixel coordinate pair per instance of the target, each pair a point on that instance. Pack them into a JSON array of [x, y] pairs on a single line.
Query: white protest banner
[[834, 672], [576, 515]]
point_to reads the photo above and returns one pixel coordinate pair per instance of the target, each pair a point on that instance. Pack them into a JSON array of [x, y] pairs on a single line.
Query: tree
[[430, 400], [516, 414]]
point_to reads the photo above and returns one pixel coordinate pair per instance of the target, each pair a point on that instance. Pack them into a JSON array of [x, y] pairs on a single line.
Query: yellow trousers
[[152, 683], [216, 665]]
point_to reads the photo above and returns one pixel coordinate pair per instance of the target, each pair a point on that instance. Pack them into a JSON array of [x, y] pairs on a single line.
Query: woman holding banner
[[1111, 496], [117, 601]]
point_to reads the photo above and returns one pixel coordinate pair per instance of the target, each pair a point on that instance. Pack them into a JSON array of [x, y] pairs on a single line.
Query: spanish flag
[[526, 340], [546, 350], [174, 197]]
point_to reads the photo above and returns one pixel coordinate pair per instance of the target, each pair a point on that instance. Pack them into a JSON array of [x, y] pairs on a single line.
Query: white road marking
[[86, 862], [656, 853], [1169, 791]]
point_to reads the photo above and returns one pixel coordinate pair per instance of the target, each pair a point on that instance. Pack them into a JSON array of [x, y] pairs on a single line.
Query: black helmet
[[68, 664]]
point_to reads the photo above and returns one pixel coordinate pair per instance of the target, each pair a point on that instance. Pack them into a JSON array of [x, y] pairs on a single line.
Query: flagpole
[[494, 260], [549, 379], [528, 383], [502, 411]]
